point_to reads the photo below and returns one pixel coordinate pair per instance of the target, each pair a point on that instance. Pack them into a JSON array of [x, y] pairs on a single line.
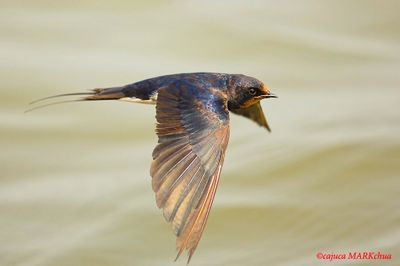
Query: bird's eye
[[253, 91]]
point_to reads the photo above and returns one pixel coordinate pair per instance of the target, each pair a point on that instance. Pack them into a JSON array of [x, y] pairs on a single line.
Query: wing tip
[[190, 254]]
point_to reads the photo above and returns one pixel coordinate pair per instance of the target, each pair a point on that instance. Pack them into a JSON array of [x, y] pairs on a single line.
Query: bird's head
[[244, 91]]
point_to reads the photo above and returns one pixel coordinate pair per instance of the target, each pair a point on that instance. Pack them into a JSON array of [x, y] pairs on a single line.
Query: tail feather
[[52, 103], [60, 95], [113, 93]]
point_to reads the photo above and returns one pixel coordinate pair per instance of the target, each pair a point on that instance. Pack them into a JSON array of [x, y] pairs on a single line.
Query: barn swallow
[[192, 113]]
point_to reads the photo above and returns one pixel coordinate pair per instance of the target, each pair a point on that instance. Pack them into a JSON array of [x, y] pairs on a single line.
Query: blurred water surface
[[75, 186]]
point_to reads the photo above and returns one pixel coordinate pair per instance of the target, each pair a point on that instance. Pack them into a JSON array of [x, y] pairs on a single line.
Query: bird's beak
[[269, 95]]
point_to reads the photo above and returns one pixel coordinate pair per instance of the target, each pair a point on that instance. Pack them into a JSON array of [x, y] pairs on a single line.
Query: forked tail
[[113, 93]]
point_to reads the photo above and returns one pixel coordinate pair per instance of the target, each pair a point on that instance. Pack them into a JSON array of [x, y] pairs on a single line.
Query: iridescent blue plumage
[[145, 88]]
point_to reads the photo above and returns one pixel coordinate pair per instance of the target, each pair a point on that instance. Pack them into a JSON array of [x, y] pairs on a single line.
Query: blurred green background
[[75, 186]]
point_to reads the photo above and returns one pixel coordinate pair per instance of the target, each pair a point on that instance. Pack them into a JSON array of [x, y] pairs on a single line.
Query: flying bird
[[192, 113]]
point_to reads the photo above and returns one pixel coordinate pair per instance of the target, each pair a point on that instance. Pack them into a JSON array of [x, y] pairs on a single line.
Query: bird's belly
[[151, 100]]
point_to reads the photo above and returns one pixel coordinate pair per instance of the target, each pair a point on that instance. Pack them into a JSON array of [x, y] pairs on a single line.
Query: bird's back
[[145, 89]]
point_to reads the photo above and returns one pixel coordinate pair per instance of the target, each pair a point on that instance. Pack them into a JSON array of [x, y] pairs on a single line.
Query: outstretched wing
[[254, 113], [193, 131]]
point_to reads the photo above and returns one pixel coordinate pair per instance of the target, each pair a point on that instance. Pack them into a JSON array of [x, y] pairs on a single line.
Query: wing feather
[[255, 113], [193, 131]]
